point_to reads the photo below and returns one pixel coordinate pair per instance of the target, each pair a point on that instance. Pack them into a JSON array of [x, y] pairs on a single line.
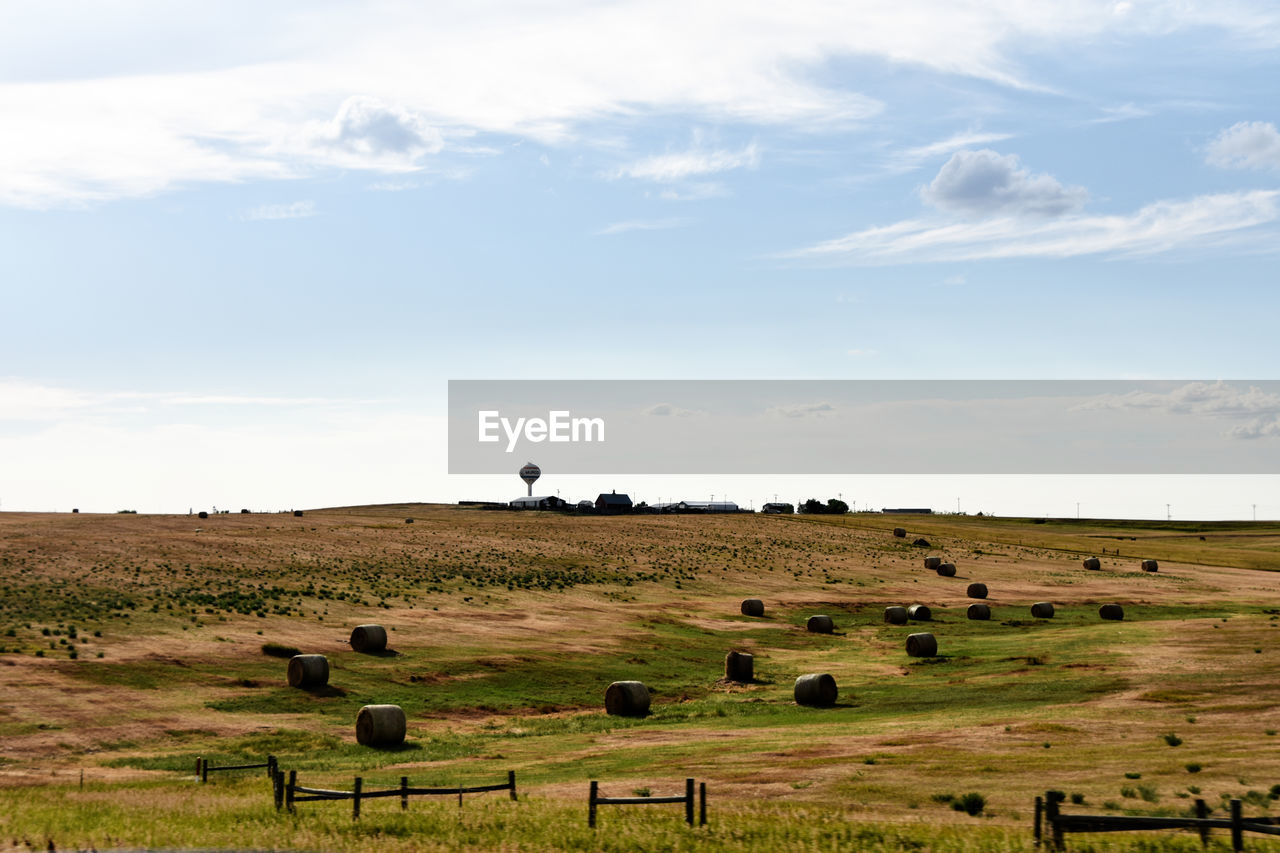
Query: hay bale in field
[[922, 645], [900, 532], [932, 563], [626, 699], [244, 512], [816, 689], [921, 543], [308, 671], [820, 625], [976, 590], [297, 513], [369, 638], [408, 521], [947, 570], [919, 612], [380, 725], [740, 666], [1113, 612], [979, 612], [752, 607], [1150, 566], [202, 514], [1042, 610], [895, 615], [1093, 564]]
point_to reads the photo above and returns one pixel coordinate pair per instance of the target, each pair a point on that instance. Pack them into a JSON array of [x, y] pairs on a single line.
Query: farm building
[[547, 502], [915, 510], [613, 503], [778, 509], [696, 506]]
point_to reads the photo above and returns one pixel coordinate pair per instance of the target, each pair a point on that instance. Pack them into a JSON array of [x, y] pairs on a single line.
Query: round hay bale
[[932, 562], [740, 666], [947, 570], [820, 625], [408, 521], [919, 613], [1150, 566], [307, 671], [978, 611], [900, 532], [895, 615], [244, 512], [202, 514], [380, 725], [816, 689], [369, 638], [1093, 564], [1042, 610], [297, 513], [921, 543], [1113, 612], [752, 607], [922, 645], [626, 699], [976, 590]]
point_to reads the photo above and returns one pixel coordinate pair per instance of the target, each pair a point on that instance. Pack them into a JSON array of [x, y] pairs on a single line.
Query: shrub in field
[[279, 650]]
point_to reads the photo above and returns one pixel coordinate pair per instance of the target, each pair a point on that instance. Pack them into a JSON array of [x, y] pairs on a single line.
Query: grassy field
[[130, 645]]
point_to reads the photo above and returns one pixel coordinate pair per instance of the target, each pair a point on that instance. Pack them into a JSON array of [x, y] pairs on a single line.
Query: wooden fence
[[287, 793], [1048, 812], [204, 768], [687, 798]]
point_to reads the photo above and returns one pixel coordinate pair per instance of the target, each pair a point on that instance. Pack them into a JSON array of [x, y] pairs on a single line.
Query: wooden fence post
[[404, 793], [289, 789], [1237, 827], [1036, 822], [511, 780], [591, 804], [702, 804], [1202, 813], [459, 796], [271, 766], [204, 770], [355, 800], [199, 764], [688, 801], [277, 788], [1051, 801]]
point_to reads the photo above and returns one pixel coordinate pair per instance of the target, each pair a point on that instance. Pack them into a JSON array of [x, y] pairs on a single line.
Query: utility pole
[[1255, 512], [1168, 513], [1077, 510]]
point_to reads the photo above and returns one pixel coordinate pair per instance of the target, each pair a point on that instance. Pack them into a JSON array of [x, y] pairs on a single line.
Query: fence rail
[[204, 768], [288, 792], [594, 799], [1047, 811]]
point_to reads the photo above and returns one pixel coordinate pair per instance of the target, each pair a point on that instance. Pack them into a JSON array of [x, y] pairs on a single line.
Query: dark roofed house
[[613, 503]]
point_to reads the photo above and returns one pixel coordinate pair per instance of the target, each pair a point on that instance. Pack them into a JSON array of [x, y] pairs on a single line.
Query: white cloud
[[668, 410], [1162, 226], [122, 112], [667, 168], [984, 183], [292, 210], [1258, 408], [643, 225], [1246, 145], [697, 191]]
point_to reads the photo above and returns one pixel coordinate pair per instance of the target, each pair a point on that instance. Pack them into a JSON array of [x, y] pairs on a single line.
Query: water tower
[[530, 474]]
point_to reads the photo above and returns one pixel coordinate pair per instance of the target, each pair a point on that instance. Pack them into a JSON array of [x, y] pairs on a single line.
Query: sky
[[244, 247]]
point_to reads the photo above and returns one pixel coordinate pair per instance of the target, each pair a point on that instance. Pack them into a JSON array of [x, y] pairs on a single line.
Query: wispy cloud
[[965, 139], [292, 210], [801, 410], [1163, 226], [643, 225], [667, 168]]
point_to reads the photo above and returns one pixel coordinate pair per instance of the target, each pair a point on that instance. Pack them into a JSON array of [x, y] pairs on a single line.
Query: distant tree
[[836, 507], [813, 506]]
